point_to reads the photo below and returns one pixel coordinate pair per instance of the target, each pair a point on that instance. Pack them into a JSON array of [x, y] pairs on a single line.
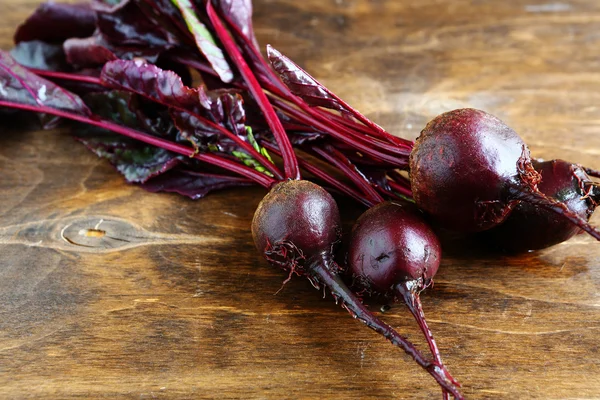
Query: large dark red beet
[[461, 166]]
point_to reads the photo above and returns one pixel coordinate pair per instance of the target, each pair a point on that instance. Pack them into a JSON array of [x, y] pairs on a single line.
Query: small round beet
[[532, 228], [461, 166], [390, 244], [297, 222], [394, 253]]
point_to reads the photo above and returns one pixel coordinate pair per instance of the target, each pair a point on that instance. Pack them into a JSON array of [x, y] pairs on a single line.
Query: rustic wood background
[[174, 302]]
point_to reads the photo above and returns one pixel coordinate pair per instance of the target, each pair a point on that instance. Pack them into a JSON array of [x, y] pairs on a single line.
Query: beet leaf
[[205, 41], [40, 55], [192, 184], [55, 22], [92, 51], [137, 162], [239, 12], [19, 85], [197, 112], [301, 83], [123, 24], [166, 17], [150, 81]]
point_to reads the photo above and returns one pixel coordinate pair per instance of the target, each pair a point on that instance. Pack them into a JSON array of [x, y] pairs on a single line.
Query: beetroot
[[468, 170], [296, 225], [395, 254], [532, 228], [390, 244], [460, 168]]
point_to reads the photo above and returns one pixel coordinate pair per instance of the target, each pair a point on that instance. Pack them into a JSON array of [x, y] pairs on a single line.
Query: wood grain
[[110, 291]]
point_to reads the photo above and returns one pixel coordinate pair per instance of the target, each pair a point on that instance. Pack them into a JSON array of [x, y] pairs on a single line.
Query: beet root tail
[[321, 270], [409, 292]]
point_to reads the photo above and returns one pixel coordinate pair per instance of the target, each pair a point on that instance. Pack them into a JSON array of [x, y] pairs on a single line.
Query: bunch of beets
[[121, 71]]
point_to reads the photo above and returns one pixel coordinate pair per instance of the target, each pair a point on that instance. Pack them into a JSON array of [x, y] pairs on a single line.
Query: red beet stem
[[235, 138], [409, 292], [67, 76], [337, 131], [324, 176], [321, 270], [537, 198], [212, 159], [288, 155], [336, 158]]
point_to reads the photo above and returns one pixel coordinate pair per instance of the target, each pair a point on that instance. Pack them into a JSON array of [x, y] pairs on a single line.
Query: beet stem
[[235, 138], [321, 269], [67, 76], [324, 176], [408, 290], [337, 159], [340, 133], [289, 157], [212, 159], [537, 198]]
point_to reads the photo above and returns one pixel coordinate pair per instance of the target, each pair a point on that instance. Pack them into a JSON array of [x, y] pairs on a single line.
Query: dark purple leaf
[[163, 14], [150, 81], [201, 135], [153, 118], [301, 83], [124, 25], [40, 55], [90, 51], [137, 162], [19, 85], [239, 12], [113, 106], [56, 22], [225, 107], [194, 185], [94, 51], [130, 110], [165, 62]]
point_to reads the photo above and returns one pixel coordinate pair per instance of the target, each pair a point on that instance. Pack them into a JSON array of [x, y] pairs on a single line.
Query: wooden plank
[[173, 301]]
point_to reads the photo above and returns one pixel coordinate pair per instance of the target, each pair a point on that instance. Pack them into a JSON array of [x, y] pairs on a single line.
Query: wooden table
[[173, 301]]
